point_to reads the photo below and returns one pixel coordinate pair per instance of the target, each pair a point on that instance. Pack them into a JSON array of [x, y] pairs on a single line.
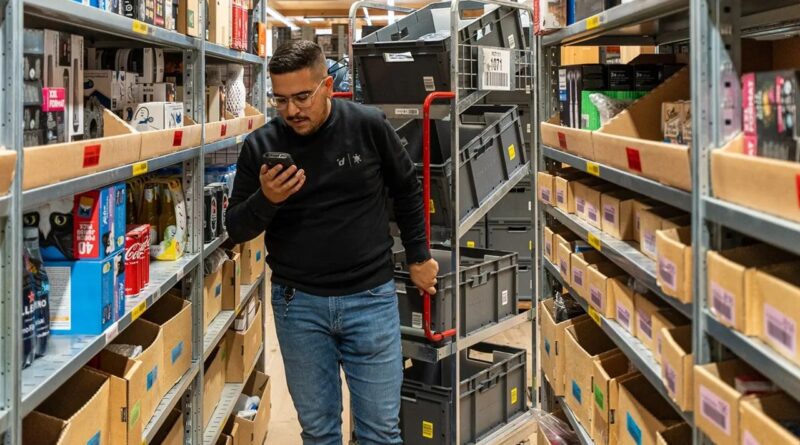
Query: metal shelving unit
[[21, 391], [580, 431], [219, 325]]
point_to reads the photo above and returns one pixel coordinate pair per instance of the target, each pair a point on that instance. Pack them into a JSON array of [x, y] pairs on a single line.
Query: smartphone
[[275, 158]]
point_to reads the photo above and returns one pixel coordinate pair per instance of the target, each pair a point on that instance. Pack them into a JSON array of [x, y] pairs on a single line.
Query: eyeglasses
[[300, 100]]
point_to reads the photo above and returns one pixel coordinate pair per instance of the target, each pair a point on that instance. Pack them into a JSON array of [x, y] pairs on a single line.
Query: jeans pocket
[[387, 289], [277, 292]]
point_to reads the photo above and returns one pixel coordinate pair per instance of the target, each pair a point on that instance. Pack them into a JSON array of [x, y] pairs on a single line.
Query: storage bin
[[515, 207], [512, 238]]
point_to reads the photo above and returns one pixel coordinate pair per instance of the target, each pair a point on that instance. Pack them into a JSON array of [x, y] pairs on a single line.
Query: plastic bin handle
[[480, 279]]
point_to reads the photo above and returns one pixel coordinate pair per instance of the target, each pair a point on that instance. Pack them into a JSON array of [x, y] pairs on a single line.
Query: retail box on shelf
[[546, 187], [658, 218], [773, 308], [549, 242], [552, 344], [120, 145], [717, 399], [608, 369], [212, 296], [213, 382], [549, 15], [564, 245], [564, 184], [174, 316], [679, 434], [642, 412], [765, 418], [253, 432], [77, 413], [676, 365], [674, 262], [730, 274], [232, 281], [631, 140], [189, 17], [602, 284], [585, 342], [646, 307], [639, 207], [219, 22], [581, 192], [666, 318], [161, 142], [8, 160], [624, 305], [242, 347], [578, 274], [617, 208], [594, 210], [572, 140], [253, 254]]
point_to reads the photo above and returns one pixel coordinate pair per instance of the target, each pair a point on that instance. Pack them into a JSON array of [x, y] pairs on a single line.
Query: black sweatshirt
[[332, 237]]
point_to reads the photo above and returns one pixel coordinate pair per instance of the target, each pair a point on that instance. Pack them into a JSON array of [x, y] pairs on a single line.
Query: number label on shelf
[[594, 241], [139, 168], [140, 27], [592, 168], [595, 316], [112, 332], [138, 310], [593, 22]]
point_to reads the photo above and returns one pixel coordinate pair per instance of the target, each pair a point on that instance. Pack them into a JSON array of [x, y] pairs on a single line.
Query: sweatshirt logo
[[349, 160]]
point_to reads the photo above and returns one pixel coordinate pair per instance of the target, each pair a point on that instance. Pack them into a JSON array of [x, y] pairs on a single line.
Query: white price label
[[494, 69]]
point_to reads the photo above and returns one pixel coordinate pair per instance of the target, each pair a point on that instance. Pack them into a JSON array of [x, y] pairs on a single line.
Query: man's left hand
[[423, 275]]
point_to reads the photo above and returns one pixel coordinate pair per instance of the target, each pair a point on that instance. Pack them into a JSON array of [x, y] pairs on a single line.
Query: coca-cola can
[[137, 258], [146, 261]]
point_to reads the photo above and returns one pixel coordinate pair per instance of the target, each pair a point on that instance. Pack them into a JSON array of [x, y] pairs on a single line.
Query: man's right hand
[[278, 185]]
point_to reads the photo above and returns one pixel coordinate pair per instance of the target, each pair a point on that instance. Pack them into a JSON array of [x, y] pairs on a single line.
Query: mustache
[[296, 118]]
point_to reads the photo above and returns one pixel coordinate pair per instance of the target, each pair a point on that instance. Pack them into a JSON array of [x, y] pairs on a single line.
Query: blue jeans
[[362, 333]]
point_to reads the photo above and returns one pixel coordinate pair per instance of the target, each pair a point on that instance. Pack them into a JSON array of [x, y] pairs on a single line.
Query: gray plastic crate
[[476, 237], [492, 393], [488, 290], [492, 151], [512, 238], [525, 280], [515, 207], [404, 61]]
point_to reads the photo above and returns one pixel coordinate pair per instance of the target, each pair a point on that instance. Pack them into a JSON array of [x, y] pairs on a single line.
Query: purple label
[[650, 242], [780, 329], [671, 379], [579, 204], [716, 410], [667, 272], [645, 324], [624, 316], [596, 297], [591, 212], [545, 194], [722, 303], [560, 196], [577, 277]]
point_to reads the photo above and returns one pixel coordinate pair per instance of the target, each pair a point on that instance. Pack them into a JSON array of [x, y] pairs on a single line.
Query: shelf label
[[140, 27], [595, 316], [138, 310], [593, 22], [592, 168], [139, 168], [594, 241]]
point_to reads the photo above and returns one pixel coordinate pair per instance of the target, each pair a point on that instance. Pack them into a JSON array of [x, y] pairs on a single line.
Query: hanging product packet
[[35, 295]]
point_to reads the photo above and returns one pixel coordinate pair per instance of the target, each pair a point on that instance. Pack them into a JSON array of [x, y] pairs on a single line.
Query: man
[[327, 234]]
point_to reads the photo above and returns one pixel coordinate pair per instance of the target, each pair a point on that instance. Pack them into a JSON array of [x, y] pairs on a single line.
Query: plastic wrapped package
[[565, 308], [214, 261], [607, 106], [555, 430]]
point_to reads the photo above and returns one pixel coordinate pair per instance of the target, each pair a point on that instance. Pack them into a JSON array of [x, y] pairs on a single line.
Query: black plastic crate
[[492, 393], [476, 236], [488, 290], [515, 207], [491, 152], [405, 61], [516, 237]]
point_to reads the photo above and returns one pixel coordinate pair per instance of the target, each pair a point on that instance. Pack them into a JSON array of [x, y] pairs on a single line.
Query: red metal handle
[[426, 202], [342, 94]]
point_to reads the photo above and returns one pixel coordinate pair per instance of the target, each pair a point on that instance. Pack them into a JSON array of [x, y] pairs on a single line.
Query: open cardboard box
[[642, 412], [631, 140], [600, 287], [161, 142], [231, 126], [253, 432], [579, 275], [552, 344], [174, 316], [676, 365], [646, 307], [773, 308], [8, 162], [172, 432], [571, 140], [605, 394], [718, 400], [760, 417], [121, 144], [679, 434], [242, 348], [674, 260], [667, 318], [213, 382]]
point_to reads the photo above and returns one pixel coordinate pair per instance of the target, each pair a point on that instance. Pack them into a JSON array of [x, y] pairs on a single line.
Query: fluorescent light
[[366, 16], [391, 13], [281, 18]]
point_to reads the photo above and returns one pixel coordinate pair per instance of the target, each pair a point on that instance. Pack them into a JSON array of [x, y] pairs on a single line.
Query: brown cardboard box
[[585, 342], [174, 316], [652, 220], [581, 191], [212, 297], [680, 434], [8, 163], [161, 142], [552, 344], [563, 183], [545, 185], [631, 141], [232, 281], [225, 439], [77, 413], [760, 417], [639, 206], [729, 274], [571, 140], [667, 318], [252, 120], [676, 365], [120, 145], [594, 210], [563, 243], [642, 412], [624, 306], [213, 382], [550, 243], [646, 307], [717, 413], [189, 17], [674, 260], [219, 17], [579, 263], [125, 401], [242, 348], [253, 255], [223, 128], [172, 431], [232, 429], [605, 375], [599, 290], [617, 214], [253, 432], [773, 308]]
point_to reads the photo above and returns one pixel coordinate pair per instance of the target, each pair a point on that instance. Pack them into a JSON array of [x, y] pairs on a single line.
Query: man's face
[[312, 89]]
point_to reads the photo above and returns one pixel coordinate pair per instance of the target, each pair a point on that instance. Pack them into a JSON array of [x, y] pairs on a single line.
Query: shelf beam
[[580, 431], [168, 403], [768, 228]]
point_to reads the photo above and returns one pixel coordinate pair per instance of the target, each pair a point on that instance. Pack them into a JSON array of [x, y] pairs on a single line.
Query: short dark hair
[[296, 55]]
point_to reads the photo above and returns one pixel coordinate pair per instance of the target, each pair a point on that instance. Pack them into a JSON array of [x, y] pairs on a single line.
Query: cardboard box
[[594, 210], [189, 18], [549, 15], [99, 222], [155, 116], [232, 282], [646, 307], [578, 275], [607, 370], [761, 416], [652, 220], [667, 318], [252, 120], [552, 344], [673, 116], [599, 288], [212, 297], [565, 195], [545, 185], [581, 192], [642, 412], [571, 140], [160, 142], [213, 382], [253, 256], [773, 308], [550, 243], [242, 348], [618, 212], [8, 163], [717, 413], [174, 316], [585, 342], [172, 433], [563, 257], [730, 273], [631, 140], [676, 365], [253, 432], [625, 306], [679, 434], [674, 253], [219, 18], [639, 206]]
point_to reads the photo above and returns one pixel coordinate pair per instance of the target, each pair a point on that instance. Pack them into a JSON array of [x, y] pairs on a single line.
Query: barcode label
[[496, 80], [667, 272], [495, 64], [560, 196], [650, 243], [645, 324], [624, 317], [545, 194], [596, 297], [749, 439], [416, 320], [610, 214], [722, 303], [430, 84], [504, 297], [780, 328], [716, 410], [591, 212], [580, 204], [669, 373], [577, 277]]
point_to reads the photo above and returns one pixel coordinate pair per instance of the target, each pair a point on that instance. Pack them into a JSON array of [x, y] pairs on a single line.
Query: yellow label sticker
[[592, 22], [514, 396], [530, 245], [470, 244], [138, 310], [595, 316], [512, 152], [427, 430], [139, 168], [594, 241], [140, 27], [592, 168], [433, 207]]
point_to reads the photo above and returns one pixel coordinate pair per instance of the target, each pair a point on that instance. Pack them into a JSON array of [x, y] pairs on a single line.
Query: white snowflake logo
[[357, 159]]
